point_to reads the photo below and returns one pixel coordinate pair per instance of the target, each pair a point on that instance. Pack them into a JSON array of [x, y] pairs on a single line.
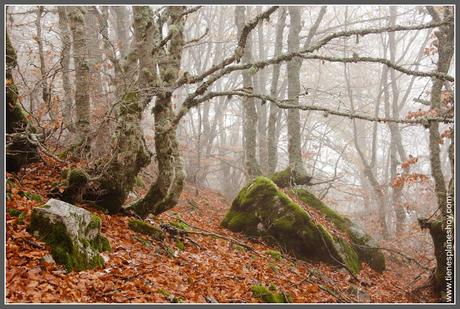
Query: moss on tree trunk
[[19, 149]]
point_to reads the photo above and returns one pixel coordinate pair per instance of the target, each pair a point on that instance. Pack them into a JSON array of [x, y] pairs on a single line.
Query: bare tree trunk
[[165, 192], [82, 87], [95, 58], [43, 72], [272, 142], [66, 41], [259, 87], [249, 110], [121, 29], [293, 71]]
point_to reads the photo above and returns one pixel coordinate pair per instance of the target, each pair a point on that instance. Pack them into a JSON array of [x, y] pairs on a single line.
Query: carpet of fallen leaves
[[193, 269]]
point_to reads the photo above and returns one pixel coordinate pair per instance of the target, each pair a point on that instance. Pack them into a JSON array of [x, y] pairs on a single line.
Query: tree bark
[[19, 149], [293, 71], [130, 153], [66, 41], [94, 58], [44, 79], [249, 109], [82, 75], [272, 142], [445, 46], [165, 192]]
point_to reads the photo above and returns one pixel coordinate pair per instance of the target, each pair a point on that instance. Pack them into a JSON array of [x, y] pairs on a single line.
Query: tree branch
[[387, 62]]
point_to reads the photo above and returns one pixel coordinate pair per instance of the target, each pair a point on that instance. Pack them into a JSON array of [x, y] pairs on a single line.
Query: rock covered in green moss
[[362, 242], [261, 209], [145, 228], [73, 233]]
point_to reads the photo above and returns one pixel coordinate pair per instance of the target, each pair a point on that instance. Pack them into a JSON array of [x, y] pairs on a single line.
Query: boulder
[[73, 233], [363, 243], [261, 209]]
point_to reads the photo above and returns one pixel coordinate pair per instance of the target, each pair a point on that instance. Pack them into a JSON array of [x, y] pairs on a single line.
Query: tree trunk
[[66, 41], [272, 143], [19, 149], [94, 58], [82, 78], [43, 72], [293, 71], [262, 110], [130, 154], [437, 227], [165, 192], [249, 109], [122, 19]]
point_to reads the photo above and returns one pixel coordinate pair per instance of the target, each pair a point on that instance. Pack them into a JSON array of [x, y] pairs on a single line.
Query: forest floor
[[195, 269]]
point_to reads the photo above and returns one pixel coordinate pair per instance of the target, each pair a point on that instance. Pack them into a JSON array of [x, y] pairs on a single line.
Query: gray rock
[[73, 233]]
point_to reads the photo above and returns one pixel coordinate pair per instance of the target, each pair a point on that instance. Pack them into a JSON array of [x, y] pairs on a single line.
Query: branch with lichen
[[285, 104]]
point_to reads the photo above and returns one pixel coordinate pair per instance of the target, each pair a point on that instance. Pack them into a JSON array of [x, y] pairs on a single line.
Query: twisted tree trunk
[[165, 192]]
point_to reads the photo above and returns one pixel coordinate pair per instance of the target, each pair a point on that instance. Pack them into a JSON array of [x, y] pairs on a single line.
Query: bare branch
[[327, 111], [383, 61]]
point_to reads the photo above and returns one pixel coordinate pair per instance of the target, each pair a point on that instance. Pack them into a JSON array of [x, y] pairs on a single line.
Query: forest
[[229, 154]]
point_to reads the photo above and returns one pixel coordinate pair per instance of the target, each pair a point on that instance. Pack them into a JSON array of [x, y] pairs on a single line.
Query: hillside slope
[[195, 268]]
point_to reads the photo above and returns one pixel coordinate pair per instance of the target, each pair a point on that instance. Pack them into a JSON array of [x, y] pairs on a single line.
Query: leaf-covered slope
[[140, 269]]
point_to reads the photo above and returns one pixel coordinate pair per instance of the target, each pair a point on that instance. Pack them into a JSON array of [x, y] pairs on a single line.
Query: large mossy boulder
[[261, 209], [363, 243], [73, 233]]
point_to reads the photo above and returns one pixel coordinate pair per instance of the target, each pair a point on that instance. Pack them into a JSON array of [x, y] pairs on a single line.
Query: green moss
[[77, 177], [180, 225], [267, 296], [65, 171], [180, 245], [95, 222], [361, 242], [143, 227], [312, 201], [289, 177], [138, 182], [31, 196], [340, 250], [350, 258], [13, 212], [274, 254], [63, 248]]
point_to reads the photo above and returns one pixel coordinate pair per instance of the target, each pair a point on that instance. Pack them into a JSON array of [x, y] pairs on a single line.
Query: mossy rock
[[145, 228], [361, 242], [73, 233], [261, 209], [269, 295]]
